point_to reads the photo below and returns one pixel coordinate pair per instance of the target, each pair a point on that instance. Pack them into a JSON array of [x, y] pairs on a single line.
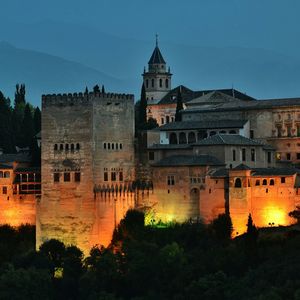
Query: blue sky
[[269, 24]]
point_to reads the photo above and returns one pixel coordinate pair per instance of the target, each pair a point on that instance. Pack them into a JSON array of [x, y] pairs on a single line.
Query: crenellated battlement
[[81, 98]]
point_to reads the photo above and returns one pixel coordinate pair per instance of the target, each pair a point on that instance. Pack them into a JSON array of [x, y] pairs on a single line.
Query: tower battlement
[[71, 99]]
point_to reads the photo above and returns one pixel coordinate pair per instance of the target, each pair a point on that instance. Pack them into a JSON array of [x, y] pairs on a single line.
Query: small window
[[162, 121], [117, 146], [1, 174], [151, 155], [238, 183], [264, 182], [112, 146], [160, 82], [67, 177], [167, 83], [147, 83], [108, 146], [56, 177], [288, 156], [298, 155], [233, 155], [105, 176], [104, 145], [152, 82], [4, 190], [167, 119], [113, 176], [121, 176], [282, 179], [232, 132], [77, 146], [61, 147], [171, 180], [67, 147], [252, 154], [77, 176], [269, 157], [272, 182], [243, 154], [72, 147], [121, 146], [6, 174], [251, 134], [55, 147]]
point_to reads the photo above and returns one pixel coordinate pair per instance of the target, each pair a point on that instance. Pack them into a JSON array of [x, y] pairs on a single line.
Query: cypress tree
[[143, 108], [103, 89], [96, 89], [27, 132], [37, 120], [179, 106]]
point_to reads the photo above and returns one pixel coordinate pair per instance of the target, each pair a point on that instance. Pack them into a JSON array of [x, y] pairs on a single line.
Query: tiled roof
[[28, 170], [188, 95], [223, 172], [169, 146], [3, 166], [203, 125], [213, 97], [228, 139], [245, 105], [18, 157], [156, 57], [188, 160], [274, 171]]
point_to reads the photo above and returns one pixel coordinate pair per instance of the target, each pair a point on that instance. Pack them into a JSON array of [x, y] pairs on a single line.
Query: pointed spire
[[156, 39]]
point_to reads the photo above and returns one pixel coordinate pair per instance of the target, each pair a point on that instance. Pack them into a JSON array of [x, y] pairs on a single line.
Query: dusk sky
[[253, 45]]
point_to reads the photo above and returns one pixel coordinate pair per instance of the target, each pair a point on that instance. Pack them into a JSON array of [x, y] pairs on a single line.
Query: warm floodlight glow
[[275, 217]]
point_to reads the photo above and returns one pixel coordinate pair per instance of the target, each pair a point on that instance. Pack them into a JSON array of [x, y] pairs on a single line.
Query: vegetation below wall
[[188, 261]]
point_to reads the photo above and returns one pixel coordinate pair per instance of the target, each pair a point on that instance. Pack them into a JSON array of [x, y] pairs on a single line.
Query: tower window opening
[[56, 177], [77, 146], [67, 147], [72, 147], [61, 147], [167, 83], [77, 176], [112, 146], [108, 146], [67, 177], [272, 182], [147, 83], [104, 145], [121, 176], [105, 175], [113, 176], [264, 182], [160, 82], [121, 146], [152, 82], [238, 183], [55, 147]]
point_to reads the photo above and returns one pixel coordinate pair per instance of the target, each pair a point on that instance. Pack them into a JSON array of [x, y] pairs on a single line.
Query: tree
[[251, 228], [37, 120], [179, 106], [295, 214], [103, 89], [96, 89], [27, 129], [222, 227], [20, 94], [143, 108]]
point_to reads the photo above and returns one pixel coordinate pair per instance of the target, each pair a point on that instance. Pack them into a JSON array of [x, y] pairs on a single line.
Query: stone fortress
[[230, 153]]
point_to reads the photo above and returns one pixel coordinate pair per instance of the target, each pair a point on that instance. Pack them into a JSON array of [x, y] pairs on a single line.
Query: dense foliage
[[18, 123], [187, 261]]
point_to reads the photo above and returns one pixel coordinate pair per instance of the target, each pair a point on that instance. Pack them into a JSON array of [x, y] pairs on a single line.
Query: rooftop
[[188, 160], [156, 57]]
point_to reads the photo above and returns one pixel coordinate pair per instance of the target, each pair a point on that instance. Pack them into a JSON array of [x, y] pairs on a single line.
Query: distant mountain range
[[51, 57]]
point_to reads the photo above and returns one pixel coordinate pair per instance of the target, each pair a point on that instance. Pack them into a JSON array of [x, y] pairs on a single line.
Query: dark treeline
[[187, 261], [19, 122]]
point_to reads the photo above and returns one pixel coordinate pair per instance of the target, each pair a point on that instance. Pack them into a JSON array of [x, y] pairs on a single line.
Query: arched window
[[117, 146], [104, 145], [222, 132], [191, 138], [55, 147], [67, 147], [112, 146], [61, 147], [202, 134], [152, 82], [6, 174], [212, 133], [272, 182], [121, 147], [238, 183], [160, 82], [264, 182], [147, 83], [257, 182], [108, 146], [1, 174], [173, 138], [77, 146], [167, 83], [232, 132], [182, 138], [72, 147]]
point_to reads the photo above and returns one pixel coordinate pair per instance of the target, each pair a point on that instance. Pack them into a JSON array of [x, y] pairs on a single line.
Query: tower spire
[[156, 39]]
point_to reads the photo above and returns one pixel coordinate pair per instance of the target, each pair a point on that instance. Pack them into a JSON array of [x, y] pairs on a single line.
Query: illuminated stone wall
[[71, 210]]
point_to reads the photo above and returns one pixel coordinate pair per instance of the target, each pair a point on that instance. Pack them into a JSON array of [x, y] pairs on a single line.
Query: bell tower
[[157, 79]]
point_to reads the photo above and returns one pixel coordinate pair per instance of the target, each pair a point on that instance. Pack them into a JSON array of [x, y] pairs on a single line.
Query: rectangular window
[[112, 146], [167, 119], [120, 176], [105, 176], [252, 154], [233, 155], [104, 145], [56, 177], [67, 177], [288, 156], [171, 180], [282, 179], [4, 190], [251, 134], [243, 154], [298, 130], [269, 157], [113, 176], [279, 131], [151, 155], [289, 131], [77, 176], [298, 155], [121, 146], [162, 121], [108, 146]]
